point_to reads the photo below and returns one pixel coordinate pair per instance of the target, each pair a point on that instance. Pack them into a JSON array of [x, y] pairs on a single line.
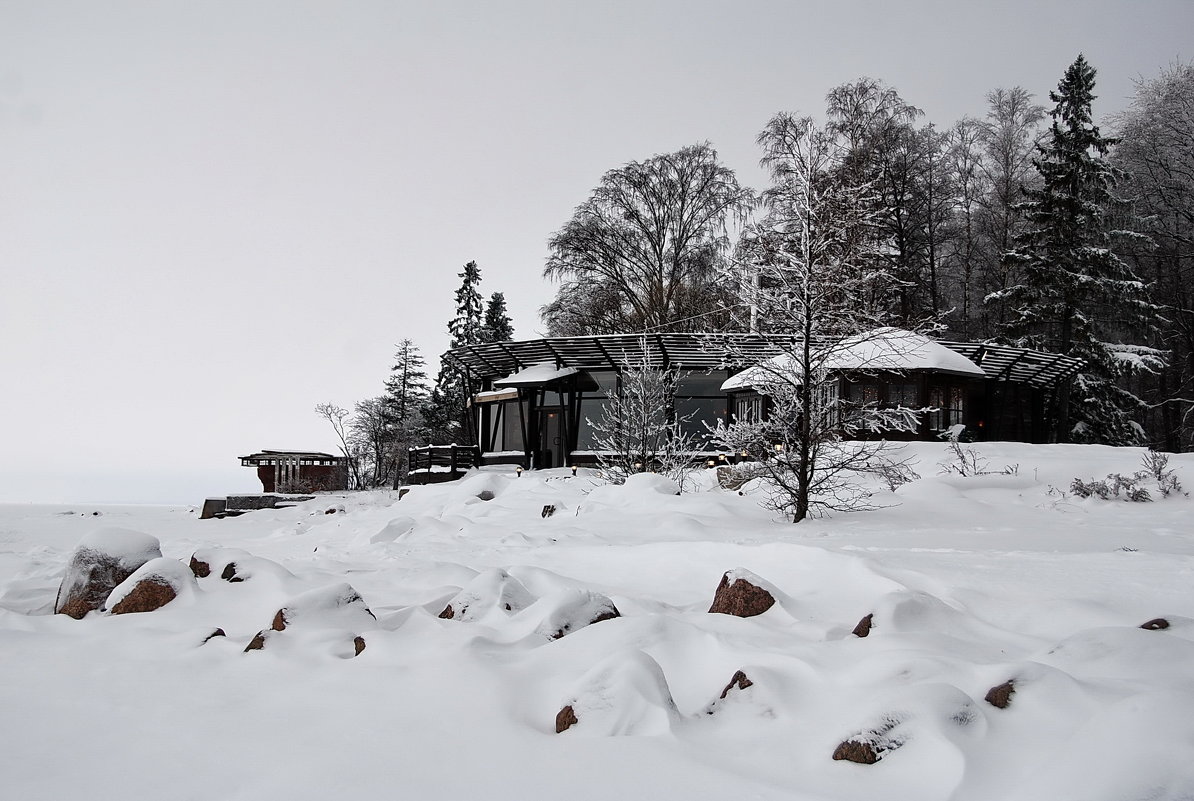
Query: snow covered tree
[[406, 397], [1156, 154], [1074, 294], [467, 326], [1008, 135], [649, 241], [498, 327], [637, 430], [814, 282]]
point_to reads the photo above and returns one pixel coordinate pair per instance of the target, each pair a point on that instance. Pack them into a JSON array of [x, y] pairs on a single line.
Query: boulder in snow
[[741, 594], [336, 606], [738, 681], [151, 586], [1000, 696], [199, 568], [864, 626], [570, 610], [492, 590], [1156, 624], [626, 694], [102, 560], [868, 747]]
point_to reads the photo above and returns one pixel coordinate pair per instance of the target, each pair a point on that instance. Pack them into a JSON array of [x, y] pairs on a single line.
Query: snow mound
[[334, 606], [397, 527], [493, 592], [626, 694], [566, 611]]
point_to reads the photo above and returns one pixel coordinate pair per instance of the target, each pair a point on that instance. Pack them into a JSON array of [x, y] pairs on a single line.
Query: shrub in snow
[[152, 586], [1114, 486], [102, 560], [1156, 464], [625, 694], [742, 594], [492, 590], [966, 462]]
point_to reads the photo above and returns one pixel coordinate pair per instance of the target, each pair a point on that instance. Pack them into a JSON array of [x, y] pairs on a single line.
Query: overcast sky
[[215, 215]]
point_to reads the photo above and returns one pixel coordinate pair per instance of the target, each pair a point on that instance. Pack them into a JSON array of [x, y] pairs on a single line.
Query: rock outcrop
[[101, 562], [739, 594]]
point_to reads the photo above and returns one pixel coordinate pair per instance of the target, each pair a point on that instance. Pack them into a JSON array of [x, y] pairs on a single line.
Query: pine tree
[[1074, 294], [406, 396], [467, 325], [498, 326]]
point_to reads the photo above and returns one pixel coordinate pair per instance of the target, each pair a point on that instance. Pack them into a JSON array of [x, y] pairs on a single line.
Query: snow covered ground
[[971, 582]]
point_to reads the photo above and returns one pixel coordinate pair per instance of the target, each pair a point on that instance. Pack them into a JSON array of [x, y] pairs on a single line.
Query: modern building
[[298, 471], [533, 399]]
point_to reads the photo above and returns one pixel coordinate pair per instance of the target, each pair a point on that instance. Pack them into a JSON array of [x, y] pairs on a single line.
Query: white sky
[[214, 215]]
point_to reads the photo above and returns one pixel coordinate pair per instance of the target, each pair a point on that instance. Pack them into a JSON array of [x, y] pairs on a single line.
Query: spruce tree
[[467, 325], [405, 399], [1074, 295], [498, 326]]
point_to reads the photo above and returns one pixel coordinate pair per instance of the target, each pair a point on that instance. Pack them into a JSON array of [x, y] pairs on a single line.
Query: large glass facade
[[591, 407]]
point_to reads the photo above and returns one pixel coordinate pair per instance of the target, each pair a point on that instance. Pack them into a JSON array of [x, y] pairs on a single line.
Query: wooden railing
[[434, 463]]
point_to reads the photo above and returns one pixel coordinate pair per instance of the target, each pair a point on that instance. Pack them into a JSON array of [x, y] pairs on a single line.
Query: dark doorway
[[551, 442]]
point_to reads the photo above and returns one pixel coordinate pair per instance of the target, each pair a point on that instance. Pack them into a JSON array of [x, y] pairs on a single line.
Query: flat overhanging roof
[[707, 351]]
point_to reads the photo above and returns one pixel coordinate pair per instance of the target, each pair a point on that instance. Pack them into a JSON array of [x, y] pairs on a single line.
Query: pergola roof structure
[[708, 351]]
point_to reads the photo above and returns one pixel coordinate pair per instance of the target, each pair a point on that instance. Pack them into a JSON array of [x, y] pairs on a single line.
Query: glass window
[[863, 393], [936, 412], [957, 405], [694, 413], [591, 408], [700, 384], [905, 395]]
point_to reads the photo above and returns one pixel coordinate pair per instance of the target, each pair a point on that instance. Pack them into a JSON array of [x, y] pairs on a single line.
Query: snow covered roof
[[536, 375], [698, 351], [884, 349]]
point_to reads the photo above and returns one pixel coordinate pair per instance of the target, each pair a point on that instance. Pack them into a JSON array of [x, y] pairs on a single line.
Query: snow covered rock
[[738, 681], [868, 747], [626, 694], [326, 607], [491, 591], [199, 568], [864, 626], [102, 560], [1156, 624], [338, 607], [570, 610], [651, 483], [235, 566], [152, 586], [742, 594]]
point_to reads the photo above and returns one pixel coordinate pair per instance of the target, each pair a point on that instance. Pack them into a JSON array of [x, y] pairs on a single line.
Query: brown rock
[[1001, 695], [566, 719], [257, 643], [150, 593], [1156, 624], [448, 613], [216, 633], [200, 568], [741, 599], [857, 751], [229, 573], [91, 575], [358, 643], [864, 626], [548, 510], [740, 681], [279, 623]]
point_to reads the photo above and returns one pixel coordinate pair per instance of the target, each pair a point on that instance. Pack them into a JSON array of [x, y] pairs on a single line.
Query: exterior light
[[519, 471], [711, 463], [779, 447], [721, 457], [574, 471], [638, 466]]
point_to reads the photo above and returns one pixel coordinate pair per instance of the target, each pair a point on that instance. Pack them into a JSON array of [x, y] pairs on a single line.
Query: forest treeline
[[1030, 225]]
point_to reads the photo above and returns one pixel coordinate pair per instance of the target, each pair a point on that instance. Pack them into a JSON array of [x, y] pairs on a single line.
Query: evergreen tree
[[467, 325], [446, 410], [1073, 293], [498, 326], [406, 396]]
